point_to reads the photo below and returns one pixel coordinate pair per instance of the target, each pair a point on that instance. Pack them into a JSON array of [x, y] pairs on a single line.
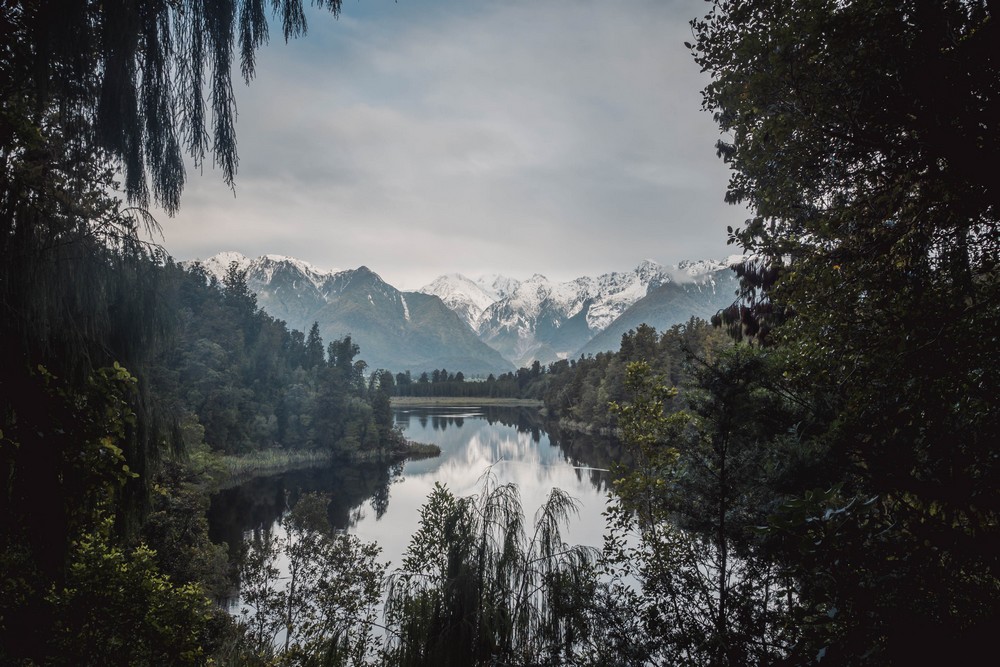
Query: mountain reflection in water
[[381, 503]]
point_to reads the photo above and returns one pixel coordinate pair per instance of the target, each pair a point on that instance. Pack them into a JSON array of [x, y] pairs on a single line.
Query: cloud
[[423, 138]]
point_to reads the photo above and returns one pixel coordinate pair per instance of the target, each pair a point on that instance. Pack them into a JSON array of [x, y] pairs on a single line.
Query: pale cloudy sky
[[422, 137]]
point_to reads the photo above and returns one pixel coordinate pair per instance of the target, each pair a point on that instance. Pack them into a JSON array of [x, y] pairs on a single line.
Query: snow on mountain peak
[[536, 318], [501, 285], [301, 265], [466, 297], [649, 267], [268, 264], [698, 271], [262, 268], [218, 264]]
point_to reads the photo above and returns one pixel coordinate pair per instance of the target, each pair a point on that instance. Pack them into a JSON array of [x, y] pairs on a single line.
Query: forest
[[815, 475]]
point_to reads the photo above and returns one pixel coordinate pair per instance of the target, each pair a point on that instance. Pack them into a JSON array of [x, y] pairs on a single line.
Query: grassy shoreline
[[221, 471], [462, 401], [239, 468], [227, 470]]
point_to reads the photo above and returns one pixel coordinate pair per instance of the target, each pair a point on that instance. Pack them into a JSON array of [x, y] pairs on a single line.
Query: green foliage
[[100, 98], [239, 296], [115, 608], [73, 592], [477, 588], [860, 131], [250, 384], [326, 608], [176, 528], [579, 391], [682, 522], [62, 470]]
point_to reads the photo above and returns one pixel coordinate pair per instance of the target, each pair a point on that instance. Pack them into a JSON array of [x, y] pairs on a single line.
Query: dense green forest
[[820, 487], [111, 451], [241, 380]]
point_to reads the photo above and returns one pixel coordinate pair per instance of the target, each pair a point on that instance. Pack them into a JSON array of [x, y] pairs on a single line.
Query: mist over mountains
[[489, 324]]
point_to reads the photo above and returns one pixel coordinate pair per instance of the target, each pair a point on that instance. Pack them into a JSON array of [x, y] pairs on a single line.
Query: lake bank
[[462, 402], [381, 503], [228, 470]]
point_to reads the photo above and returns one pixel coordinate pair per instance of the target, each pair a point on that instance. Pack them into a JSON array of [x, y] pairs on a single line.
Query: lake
[[381, 503]]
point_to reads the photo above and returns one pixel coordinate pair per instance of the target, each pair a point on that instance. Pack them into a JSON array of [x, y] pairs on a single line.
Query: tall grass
[[269, 461]]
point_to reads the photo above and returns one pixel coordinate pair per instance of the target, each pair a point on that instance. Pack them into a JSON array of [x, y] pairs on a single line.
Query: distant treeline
[[578, 391], [443, 383]]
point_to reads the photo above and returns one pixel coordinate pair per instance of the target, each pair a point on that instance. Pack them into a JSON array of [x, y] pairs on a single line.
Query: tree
[[314, 347], [381, 388], [858, 131], [683, 522], [72, 590], [639, 344], [93, 94], [116, 608], [340, 355], [134, 75], [327, 607], [238, 293], [404, 379], [475, 589]]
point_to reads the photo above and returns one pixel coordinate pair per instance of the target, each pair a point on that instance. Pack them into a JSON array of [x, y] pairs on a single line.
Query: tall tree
[[683, 520], [326, 610], [314, 347], [93, 94], [132, 77], [859, 134], [239, 297]]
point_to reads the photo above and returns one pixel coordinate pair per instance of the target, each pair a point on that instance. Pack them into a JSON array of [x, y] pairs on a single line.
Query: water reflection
[[380, 503], [259, 502]]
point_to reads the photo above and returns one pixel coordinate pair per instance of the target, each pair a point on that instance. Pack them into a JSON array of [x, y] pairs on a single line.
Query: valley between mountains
[[490, 324]]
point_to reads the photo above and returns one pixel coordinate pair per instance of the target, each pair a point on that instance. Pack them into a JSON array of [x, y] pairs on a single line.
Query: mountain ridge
[[481, 325], [396, 330], [541, 319]]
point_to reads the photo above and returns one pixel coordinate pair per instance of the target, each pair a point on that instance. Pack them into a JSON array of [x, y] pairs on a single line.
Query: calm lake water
[[381, 503]]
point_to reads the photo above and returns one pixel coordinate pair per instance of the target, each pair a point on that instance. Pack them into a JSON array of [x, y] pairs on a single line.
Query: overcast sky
[[562, 137]]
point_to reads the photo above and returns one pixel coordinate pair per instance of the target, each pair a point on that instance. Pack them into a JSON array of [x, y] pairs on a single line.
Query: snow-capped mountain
[[466, 297], [396, 330], [262, 269], [545, 320], [669, 304], [482, 325]]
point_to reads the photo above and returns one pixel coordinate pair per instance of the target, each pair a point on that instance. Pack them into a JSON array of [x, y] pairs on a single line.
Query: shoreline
[[231, 470], [462, 402]]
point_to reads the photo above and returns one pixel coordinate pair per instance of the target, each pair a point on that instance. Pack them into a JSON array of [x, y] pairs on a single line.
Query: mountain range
[[481, 325], [540, 319]]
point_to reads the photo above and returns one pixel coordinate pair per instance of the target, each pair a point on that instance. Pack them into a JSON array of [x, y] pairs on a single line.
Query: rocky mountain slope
[[540, 319], [396, 330], [669, 304], [484, 325]]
